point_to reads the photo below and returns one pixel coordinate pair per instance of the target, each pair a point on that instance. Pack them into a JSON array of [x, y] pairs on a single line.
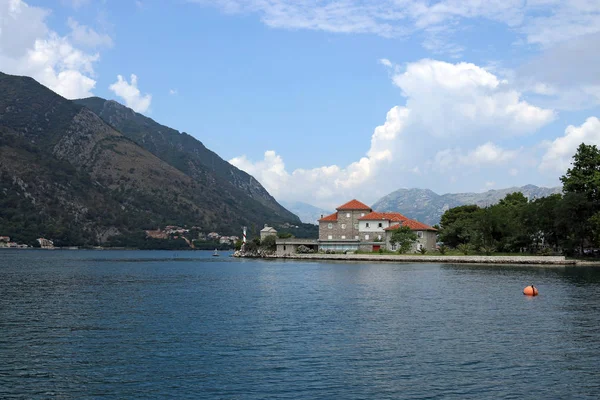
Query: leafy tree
[[458, 225], [573, 218], [404, 238], [584, 176], [269, 243]]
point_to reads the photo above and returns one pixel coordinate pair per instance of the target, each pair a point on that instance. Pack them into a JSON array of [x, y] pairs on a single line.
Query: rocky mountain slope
[[428, 206], [181, 151], [307, 213], [69, 176]]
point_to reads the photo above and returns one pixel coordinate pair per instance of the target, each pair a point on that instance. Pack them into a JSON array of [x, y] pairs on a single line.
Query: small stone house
[[267, 231]]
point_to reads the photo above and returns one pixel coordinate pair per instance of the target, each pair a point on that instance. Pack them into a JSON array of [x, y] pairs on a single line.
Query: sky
[[327, 100]]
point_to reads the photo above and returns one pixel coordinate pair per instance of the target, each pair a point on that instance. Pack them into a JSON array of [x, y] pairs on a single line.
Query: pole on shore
[[244, 239]]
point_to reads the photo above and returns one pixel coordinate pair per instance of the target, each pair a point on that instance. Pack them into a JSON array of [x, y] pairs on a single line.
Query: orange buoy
[[530, 291]]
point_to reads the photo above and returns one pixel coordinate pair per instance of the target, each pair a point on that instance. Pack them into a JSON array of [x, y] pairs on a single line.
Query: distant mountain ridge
[[307, 213], [427, 206]]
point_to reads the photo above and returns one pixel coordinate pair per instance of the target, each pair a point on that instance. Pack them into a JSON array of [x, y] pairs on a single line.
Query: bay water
[[159, 324]]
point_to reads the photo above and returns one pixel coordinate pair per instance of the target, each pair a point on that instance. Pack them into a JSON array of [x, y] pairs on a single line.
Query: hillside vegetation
[[69, 176]]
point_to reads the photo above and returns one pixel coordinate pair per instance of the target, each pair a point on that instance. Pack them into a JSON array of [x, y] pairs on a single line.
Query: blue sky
[[334, 99]]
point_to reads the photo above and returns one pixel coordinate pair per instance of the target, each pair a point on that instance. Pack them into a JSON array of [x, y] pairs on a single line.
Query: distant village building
[[157, 234], [213, 236], [355, 226], [5, 239], [45, 243], [267, 231], [175, 230]]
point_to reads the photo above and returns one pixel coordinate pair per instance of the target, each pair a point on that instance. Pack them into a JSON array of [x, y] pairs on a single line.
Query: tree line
[[567, 223]]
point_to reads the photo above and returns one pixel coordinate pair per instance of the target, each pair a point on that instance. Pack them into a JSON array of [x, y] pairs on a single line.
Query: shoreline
[[526, 260]]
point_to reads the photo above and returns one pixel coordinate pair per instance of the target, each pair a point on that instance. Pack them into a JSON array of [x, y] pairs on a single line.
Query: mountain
[[307, 213], [181, 151], [67, 175], [427, 206]]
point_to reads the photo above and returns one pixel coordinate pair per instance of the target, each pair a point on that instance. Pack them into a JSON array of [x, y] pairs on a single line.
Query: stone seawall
[[546, 260]]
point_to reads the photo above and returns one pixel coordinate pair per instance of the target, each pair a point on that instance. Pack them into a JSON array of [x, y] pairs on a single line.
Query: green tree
[[584, 176], [404, 238], [458, 225], [269, 243]]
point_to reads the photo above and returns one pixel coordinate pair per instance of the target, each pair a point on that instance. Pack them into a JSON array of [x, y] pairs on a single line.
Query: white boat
[[216, 253]]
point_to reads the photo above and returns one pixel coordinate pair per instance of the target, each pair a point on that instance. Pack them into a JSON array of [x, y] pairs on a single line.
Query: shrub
[[464, 248], [488, 250], [302, 249], [422, 250], [442, 249], [269, 243]]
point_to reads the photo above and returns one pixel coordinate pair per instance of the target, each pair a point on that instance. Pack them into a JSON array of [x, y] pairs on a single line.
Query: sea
[[84, 324]]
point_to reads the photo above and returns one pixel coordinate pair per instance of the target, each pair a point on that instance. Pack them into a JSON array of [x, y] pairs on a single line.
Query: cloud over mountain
[[453, 115]]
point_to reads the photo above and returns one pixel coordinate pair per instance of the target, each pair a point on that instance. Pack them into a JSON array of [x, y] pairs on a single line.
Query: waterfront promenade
[[535, 260]]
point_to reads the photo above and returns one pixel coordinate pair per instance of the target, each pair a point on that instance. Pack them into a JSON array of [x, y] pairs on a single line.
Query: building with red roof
[[355, 226]]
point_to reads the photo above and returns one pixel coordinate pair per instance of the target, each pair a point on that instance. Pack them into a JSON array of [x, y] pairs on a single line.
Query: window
[[366, 237], [329, 226], [343, 237], [367, 224], [355, 226], [380, 225], [284, 247], [347, 215], [378, 237], [329, 237], [356, 237], [419, 234], [343, 226]]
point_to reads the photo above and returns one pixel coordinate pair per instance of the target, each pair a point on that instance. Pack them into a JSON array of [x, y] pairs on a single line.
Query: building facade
[[355, 226], [267, 231]]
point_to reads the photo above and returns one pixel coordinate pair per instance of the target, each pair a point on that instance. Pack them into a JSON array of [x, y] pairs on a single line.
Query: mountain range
[[83, 172], [307, 213], [427, 206]]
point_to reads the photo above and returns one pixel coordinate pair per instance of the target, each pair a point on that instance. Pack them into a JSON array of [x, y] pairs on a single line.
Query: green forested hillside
[[182, 151], [68, 176]]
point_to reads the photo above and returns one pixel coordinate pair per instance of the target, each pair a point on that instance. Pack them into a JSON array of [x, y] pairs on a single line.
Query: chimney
[[321, 216], [266, 225]]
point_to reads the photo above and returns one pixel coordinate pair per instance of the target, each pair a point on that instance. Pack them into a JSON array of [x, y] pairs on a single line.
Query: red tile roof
[[391, 216], [332, 217], [413, 225], [354, 205]]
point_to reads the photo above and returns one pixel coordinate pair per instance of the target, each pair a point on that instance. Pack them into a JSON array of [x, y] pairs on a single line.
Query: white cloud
[[560, 152], [452, 117], [385, 62], [172, 92], [86, 36], [483, 155], [469, 96], [38, 52], [131, 94], [565, 75], [542, 22], [76, 3]]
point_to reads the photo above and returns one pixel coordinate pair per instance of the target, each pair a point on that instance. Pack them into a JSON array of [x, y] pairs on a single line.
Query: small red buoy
[[530, 291]]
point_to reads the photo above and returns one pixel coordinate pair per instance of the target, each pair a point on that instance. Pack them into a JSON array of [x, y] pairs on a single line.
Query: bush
[[302, 249], [269, 243], [422, 250], [464, 248], [488, 250], [442, 249]]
